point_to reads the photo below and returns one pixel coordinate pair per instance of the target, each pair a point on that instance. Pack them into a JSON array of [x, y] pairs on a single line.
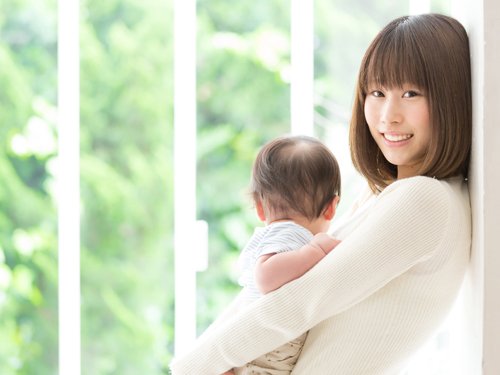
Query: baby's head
[[296, 178]]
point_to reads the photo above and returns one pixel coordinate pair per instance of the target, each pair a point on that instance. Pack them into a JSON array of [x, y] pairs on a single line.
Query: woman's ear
[[330, 210], [260, 211]]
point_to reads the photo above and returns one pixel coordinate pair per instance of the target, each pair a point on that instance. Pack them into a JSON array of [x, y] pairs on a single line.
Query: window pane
[[126, 186], [243, 93], [28, 213]]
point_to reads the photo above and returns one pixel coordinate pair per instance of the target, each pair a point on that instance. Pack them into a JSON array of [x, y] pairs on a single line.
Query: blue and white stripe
[[274, 238]]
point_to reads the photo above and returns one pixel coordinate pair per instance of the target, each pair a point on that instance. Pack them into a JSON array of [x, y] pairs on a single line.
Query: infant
[[295, 187]]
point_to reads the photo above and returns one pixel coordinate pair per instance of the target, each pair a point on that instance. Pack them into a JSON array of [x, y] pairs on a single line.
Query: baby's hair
[[295, 175]]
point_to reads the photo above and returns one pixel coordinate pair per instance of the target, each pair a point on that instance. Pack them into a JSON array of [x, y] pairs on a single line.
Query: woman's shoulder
[[422, 186], [428, 193], [423, 183], [429, 185], [407, 191], [414, 199], [414, 189]]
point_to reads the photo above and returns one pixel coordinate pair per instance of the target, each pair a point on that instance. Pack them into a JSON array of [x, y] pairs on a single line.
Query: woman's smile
[[396, 138], [398, 119]]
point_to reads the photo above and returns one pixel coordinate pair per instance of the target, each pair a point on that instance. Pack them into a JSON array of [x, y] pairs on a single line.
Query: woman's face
[[398, 119]]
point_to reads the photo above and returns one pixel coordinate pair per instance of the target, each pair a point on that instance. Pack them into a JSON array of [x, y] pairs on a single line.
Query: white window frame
[[191, 254], [302, 67], [69, 187]]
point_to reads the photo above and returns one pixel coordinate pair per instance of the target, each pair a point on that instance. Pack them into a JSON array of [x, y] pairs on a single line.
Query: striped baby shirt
[[274, 238]]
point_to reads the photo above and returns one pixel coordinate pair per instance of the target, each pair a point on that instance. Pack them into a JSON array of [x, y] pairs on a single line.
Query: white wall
[[481, 289], [491, 168]]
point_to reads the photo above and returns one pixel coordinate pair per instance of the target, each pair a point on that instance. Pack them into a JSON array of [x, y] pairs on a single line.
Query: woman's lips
[[396, 140]]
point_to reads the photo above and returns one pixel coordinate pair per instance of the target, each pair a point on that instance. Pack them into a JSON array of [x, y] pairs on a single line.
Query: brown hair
[[295, 174], [430, 51]]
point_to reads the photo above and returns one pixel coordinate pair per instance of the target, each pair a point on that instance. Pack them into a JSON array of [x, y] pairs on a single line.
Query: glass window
[[126, 166], [243, 94], [28, 213]]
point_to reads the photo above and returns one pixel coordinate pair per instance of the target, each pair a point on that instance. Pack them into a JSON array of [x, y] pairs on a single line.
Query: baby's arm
[[272, 271]]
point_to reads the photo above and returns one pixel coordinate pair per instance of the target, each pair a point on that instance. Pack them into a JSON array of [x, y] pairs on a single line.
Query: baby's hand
[[325, 242]]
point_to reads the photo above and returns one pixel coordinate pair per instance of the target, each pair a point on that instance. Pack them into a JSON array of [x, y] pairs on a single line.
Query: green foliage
[[243, 102], [126, 186], [28, 230]]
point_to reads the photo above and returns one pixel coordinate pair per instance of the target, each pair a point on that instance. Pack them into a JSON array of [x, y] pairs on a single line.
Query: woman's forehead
[[394, 73]]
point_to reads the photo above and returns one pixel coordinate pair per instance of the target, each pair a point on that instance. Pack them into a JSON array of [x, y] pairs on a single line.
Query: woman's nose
[[391, 112]]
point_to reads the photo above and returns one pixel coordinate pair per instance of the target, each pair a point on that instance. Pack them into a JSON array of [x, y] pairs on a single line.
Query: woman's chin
[[402, 160], [395, 160]]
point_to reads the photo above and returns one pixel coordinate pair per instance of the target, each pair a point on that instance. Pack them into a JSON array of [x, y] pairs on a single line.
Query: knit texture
[[371, 303]]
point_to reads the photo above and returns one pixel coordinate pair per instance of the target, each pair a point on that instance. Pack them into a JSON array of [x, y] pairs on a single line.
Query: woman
[[384, 291]]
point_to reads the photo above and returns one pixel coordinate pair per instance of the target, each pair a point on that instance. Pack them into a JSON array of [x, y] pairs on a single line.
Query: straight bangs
[[392, 61]]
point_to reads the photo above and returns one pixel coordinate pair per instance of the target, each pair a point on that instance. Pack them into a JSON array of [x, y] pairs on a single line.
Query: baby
[[295, 188]]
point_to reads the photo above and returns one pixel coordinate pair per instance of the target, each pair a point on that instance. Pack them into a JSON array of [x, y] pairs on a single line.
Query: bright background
[[126, 133]]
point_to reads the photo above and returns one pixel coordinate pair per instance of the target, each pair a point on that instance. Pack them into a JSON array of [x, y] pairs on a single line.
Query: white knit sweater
[[371, 303]]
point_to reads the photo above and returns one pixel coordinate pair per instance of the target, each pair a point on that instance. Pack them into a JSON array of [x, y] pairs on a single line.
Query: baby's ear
[[330, 210], [260, 210]]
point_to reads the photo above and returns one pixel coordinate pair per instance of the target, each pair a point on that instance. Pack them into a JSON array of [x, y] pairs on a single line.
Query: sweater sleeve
[[404, 227]]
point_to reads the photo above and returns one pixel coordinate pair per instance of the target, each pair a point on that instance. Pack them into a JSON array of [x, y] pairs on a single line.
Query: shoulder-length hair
[[430, 51]]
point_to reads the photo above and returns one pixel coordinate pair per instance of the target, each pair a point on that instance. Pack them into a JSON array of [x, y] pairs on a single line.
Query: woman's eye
[[410, 94], [377, 94]]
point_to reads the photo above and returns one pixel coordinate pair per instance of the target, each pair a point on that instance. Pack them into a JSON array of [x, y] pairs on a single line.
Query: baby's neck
[[316, 226]]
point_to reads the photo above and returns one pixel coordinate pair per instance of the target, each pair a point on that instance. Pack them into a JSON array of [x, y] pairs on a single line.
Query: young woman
[[381, 294]]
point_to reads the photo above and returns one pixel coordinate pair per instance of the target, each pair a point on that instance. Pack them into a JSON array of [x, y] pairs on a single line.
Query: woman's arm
[[404, 227], [272, 271]]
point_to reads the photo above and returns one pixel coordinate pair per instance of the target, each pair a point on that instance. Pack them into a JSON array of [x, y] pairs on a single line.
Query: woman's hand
[[227, 373]]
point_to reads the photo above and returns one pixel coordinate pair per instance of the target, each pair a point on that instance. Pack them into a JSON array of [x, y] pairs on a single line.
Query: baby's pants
[[278, 362]]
